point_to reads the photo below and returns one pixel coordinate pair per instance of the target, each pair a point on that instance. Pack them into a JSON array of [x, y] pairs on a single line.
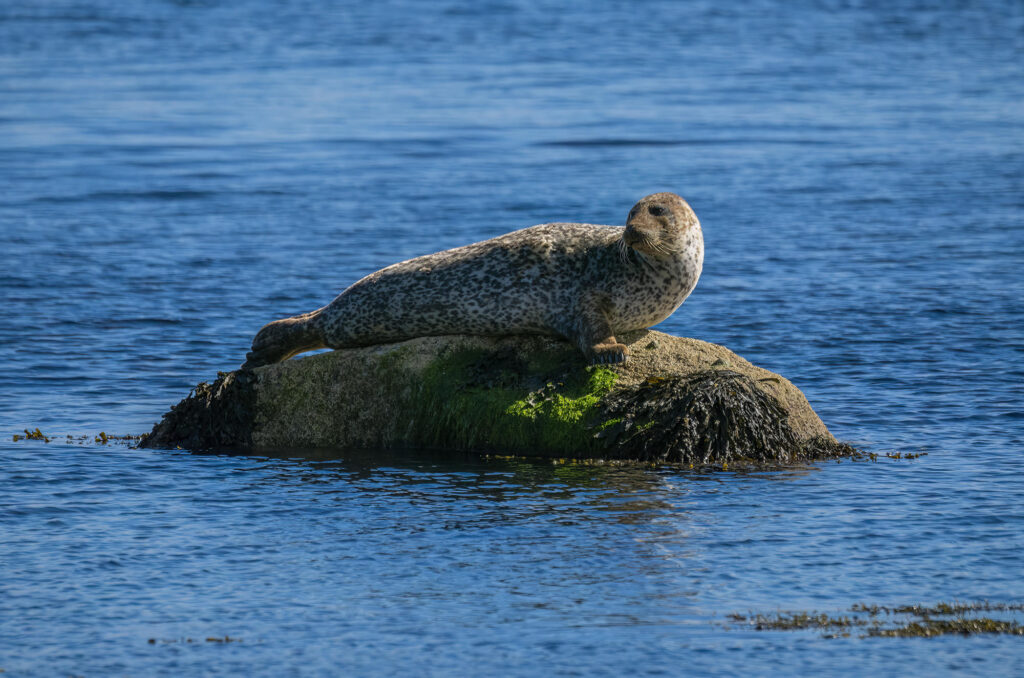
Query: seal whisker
[[664, 248]]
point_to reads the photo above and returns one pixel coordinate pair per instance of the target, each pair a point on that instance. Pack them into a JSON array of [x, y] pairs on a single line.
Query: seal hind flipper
[[281, 339]]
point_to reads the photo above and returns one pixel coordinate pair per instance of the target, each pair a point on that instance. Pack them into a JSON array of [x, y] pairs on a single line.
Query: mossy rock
[[676, 400]]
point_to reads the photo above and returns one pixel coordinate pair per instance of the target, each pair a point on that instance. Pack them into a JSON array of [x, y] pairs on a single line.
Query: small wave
[[156, 195], [128, 195], [613, 142]]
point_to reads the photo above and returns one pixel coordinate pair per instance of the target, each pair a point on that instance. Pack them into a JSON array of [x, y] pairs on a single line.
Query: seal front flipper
[[609, 352], [592, 332]]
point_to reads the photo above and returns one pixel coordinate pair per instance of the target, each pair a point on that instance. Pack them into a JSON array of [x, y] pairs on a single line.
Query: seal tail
[[284, 338]]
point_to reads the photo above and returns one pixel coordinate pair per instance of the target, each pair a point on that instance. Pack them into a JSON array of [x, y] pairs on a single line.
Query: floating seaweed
[[897, 621], [102, 438]]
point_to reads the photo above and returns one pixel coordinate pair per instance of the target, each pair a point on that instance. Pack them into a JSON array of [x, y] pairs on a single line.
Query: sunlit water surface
[[175, 174]]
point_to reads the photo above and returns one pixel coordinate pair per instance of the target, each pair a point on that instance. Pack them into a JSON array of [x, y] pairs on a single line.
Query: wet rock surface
[[676, 400]]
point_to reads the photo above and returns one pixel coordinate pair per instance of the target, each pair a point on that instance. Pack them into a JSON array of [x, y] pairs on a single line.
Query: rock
[[675, 400]]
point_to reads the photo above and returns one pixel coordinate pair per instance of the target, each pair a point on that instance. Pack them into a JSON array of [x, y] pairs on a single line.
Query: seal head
[[657, 226]]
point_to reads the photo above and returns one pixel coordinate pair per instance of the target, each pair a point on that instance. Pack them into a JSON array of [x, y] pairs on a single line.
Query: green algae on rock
[[676, 400]]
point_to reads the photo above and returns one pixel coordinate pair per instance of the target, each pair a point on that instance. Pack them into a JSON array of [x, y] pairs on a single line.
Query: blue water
[[175, 174]]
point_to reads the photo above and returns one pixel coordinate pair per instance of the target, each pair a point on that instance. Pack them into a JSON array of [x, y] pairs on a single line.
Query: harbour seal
[[583, 282]]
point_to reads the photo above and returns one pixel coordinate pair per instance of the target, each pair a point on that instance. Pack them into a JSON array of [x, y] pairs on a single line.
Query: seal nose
[[633, 234]]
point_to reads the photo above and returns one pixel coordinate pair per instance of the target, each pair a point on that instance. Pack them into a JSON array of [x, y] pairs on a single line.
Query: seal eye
[[657, 210]]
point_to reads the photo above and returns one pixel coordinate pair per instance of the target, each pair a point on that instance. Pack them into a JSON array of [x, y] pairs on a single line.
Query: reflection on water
[[624, 492], [574, 492]]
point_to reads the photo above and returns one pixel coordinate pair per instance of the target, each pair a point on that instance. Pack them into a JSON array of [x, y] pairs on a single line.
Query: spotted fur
[[583, 282]]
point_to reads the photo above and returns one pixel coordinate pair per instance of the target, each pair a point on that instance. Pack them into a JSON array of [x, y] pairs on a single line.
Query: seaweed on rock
[[712, 417], [217, 415]]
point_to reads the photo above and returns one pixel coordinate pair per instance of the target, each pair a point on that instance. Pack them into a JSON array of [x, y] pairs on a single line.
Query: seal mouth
[[642, 241]]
